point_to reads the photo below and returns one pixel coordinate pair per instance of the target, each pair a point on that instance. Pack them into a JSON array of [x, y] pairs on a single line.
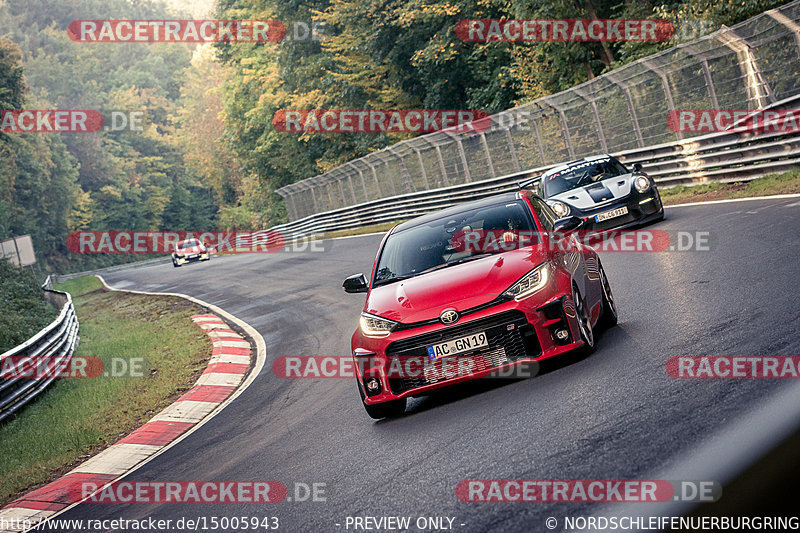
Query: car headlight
[[560, 208], [641, 183], [375, 326], [532, 282]]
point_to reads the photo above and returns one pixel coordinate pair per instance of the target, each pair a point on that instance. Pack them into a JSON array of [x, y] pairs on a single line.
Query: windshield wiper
[[386, 281], [457, 262]]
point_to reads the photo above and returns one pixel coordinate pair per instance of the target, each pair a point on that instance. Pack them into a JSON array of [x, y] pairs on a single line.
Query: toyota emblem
[[449, 316]]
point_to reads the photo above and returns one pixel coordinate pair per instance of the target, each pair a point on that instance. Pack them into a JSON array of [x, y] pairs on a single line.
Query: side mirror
[[355, 283], [637, 167], [567, 224]]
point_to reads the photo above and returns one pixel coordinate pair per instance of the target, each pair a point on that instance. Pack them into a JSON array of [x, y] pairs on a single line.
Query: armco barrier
[[54, 345], [723, 156]]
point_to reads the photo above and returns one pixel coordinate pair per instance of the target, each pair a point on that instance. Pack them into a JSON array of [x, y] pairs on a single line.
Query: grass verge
[[76, 418], [375, 228], [771, 184]]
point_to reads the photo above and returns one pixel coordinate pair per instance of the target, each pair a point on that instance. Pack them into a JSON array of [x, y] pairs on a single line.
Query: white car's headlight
[[560, 208], [641, 183], [533, 281], [375, 326]]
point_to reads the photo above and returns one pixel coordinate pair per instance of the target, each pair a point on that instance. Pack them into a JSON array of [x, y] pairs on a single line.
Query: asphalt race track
[[613, 415]]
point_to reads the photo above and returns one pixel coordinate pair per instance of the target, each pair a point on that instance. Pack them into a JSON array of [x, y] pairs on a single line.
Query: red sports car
[[473, 290]]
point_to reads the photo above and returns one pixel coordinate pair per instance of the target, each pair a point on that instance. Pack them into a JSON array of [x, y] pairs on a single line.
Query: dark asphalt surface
[[613, 415]]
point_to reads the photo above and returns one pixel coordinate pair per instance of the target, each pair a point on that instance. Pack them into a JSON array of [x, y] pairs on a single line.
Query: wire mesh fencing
[[750, 66]]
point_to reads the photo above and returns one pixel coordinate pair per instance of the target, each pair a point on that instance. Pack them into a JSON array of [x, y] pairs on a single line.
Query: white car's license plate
[[456, 346], [611, 214]]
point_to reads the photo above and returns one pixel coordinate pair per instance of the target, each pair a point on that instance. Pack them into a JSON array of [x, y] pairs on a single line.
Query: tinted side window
[[618, 167]]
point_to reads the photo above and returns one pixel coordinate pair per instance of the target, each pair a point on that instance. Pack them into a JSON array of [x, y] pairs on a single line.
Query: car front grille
[[509, 335]]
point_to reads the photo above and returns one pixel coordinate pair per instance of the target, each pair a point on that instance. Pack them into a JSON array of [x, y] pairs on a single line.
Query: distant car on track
[[601, 191], [479, 287], [189, 250]]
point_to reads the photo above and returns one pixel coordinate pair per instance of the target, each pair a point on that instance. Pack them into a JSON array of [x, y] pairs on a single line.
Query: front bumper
[[189, 258], [518, 334], [643, 208]]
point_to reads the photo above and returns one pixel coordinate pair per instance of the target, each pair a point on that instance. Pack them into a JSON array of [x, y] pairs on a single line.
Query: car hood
[[600, 192], [461, 287]]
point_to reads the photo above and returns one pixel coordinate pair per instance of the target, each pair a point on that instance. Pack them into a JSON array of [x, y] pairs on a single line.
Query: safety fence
[[754, 65], [725, 156], [29, 368]]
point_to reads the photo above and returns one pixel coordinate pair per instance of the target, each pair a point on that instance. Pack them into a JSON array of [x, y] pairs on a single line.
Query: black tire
[[609, 317], [584, 321], [383, 410], [175, 264]]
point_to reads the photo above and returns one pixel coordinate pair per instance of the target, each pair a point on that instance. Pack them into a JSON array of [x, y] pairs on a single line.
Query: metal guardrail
[[752, 65], [50, 349], [724, 156]]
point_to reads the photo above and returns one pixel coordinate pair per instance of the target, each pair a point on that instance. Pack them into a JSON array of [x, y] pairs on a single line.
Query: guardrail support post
[[488, 155], [363, 181], [749, 66], [405, 173], [352, 189], [375, 177], [422, 169], [292, 211], [539, 144], [441, 166], [512, 150], [314, 198], [631, 108], [339, 181], [379, 155], [564, 127], [467, 173], [712, 93], [600, 134], [667, 90], [332, 204]]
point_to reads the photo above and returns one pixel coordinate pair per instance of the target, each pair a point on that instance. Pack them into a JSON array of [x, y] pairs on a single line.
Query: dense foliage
[[395, 54], [25, 311], [51, 184]]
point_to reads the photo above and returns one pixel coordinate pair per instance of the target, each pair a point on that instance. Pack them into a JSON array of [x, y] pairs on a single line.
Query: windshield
[[580, 174], [455, 239], [188, 243]]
